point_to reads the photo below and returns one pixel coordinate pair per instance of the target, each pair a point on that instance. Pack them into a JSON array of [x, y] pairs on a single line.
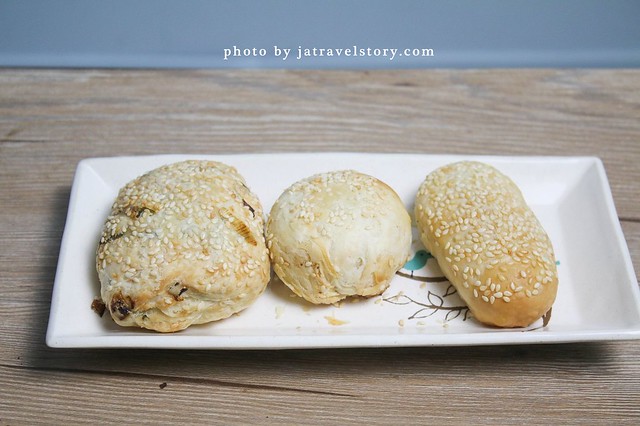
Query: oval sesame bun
[[488, 243], [338, 234], [183, 245]]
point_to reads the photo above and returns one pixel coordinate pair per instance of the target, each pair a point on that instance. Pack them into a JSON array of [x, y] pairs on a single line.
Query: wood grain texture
[[51, 119]]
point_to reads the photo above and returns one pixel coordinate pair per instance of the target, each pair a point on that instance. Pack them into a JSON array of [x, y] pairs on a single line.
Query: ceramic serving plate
[[598, 296]]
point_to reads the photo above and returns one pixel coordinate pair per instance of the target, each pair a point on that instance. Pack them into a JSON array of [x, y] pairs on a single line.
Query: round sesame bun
[[488, 243], [338, 234], [183, 245]]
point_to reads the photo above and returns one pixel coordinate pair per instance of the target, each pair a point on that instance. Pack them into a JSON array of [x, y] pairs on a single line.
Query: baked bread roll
[[488, 243], [184, 244], [338, 234]]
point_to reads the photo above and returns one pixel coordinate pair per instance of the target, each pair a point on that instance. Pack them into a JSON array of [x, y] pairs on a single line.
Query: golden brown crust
[[488, 243], [183, 245]]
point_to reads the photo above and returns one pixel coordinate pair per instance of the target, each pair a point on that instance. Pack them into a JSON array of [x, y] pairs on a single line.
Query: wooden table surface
[[51, 119]]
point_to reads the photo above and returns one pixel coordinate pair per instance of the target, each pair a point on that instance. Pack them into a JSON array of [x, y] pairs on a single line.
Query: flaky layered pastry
[[488, 243], [338, 234], [183, 245]]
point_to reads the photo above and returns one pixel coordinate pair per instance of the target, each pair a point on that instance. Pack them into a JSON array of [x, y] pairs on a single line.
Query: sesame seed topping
[[501, 234], [171, 214]]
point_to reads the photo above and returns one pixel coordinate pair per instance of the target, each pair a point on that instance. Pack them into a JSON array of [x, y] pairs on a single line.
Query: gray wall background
[[193, 33]]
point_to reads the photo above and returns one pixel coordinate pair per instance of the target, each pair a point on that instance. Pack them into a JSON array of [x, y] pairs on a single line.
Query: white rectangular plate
[[598, 296]]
